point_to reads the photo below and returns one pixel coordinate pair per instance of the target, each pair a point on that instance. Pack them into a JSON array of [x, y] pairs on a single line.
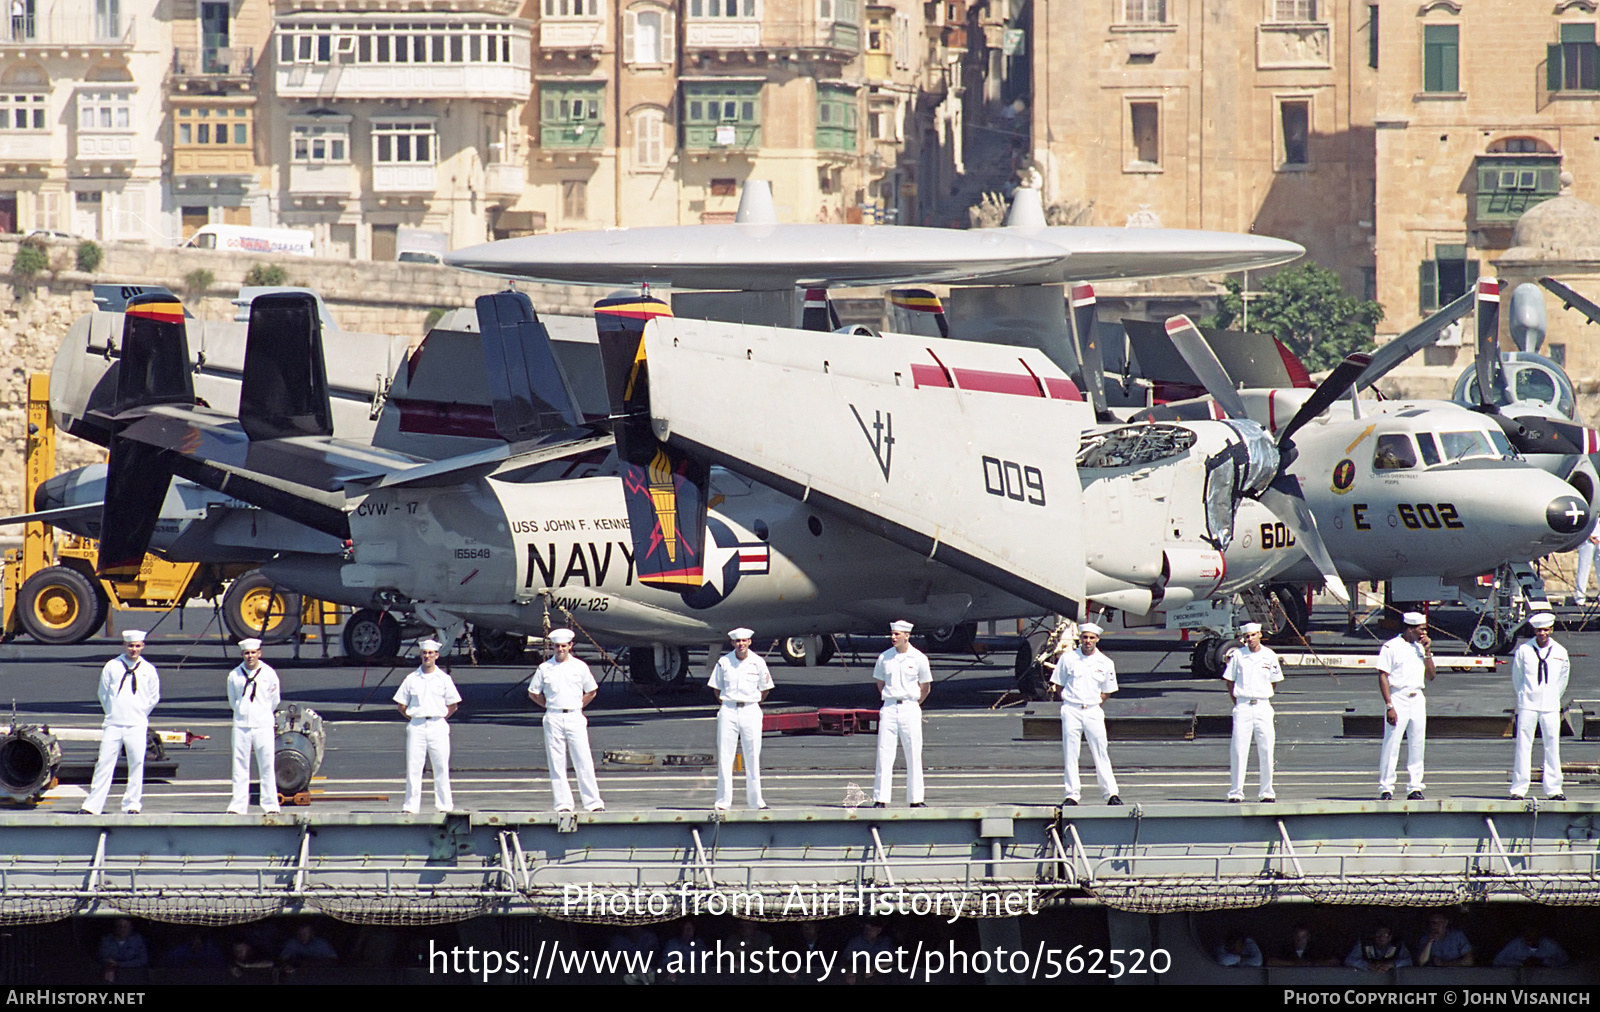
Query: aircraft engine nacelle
[[298, 748], [29, 759], [1192, 574]]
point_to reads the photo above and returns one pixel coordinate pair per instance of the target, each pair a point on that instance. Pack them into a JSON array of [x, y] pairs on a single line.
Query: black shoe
[[1386, 796], [1113, 800], [1235, 801], [1069, 802], [762, 808], [1269, 801], [919, 804], [1517, 797], [879, 804], [1415, 796], [1556, 797]]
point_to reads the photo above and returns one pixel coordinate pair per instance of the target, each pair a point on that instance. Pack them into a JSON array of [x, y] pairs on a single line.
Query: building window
[[847, 11], [320, 143], [722, 8], [212, 125], [570, 114], [22, 111], [1144, 124], [447, 43], [1445, 278], [724, 187], [574, 199], [1144, 12], [647, 36], [1296, 11], [571, 8], [723, 114], [1372, 36], [1574, 62], [1440, 55], [404, 142], [836, 119], [1294, 124], [649, 139], [105, 110]]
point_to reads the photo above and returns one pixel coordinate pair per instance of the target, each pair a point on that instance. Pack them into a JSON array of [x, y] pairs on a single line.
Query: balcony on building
[[326, 57], [23, 149], [212, 68], [1510, 182], [405, 153], [723, 28], [1297, 38], [721, 118], [502, 179], [107, 130], [324, 180], [571, 28], [319, 157], [570, 121], [52, 30], [213, 140], [834, 34]]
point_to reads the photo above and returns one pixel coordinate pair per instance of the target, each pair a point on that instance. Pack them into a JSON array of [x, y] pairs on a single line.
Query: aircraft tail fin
[[1490, 376], [665, 489], [154, 368], [819, 313], [917, 311], [528, 389], [284, 390]]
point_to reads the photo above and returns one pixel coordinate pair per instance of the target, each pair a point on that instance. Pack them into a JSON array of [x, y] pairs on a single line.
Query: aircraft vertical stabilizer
[[154, 370], [528, 389], [284, 391], [665, 489]]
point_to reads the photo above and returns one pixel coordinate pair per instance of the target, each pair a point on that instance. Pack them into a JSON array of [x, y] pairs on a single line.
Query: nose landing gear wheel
[[1489, 638], [371, 636]]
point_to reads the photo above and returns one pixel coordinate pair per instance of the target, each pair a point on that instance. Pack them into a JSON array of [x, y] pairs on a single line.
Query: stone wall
[[381, 298]]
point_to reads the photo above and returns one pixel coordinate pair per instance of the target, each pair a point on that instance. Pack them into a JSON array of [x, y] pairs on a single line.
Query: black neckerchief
[[128, 673], [1544, 664], [250, 681]]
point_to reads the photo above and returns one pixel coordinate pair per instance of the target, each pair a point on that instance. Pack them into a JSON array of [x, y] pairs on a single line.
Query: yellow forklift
[[53, 593]]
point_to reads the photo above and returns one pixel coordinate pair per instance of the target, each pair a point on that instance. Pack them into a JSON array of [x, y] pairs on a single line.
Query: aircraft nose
[[1568, 514]]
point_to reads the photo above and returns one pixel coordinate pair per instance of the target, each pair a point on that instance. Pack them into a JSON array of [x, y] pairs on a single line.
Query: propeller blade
[[1571, 299], [1488, 364], [137, 478], [1202, 361], [1386, 358], [1284, 499], [1094, 369], [1339, 380]]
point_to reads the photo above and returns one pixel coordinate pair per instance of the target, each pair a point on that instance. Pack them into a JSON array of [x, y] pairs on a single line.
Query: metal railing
[[204, 61], [62, 30]]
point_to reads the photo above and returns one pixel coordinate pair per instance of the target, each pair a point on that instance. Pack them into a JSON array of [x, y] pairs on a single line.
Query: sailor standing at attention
[[1405, 665], [742, 681], [1087, 677], [564, 685], [904, 678], [427, 698], [1539, 671], [129, 690], [253, 695], [1251, 672]]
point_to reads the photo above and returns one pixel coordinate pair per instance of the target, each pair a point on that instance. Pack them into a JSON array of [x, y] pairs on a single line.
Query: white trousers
[[1548, 723], [568, 734], [1410, 717], [1580, 584], [1251, 719], [115, 738], [261, 741], [1077, 725], [738, 725], [428, 739], [899, 722]]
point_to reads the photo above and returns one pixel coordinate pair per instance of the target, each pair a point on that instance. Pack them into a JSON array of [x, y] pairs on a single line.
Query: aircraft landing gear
[[491, 646], [371, 636], [1489, 638], [1033, 678], [1288, 613], [1210, 656], [658, 665], [953, 639], [798, 650]]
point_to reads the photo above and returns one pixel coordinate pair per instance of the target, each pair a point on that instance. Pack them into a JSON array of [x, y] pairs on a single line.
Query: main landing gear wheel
[[1210, 656], [491, 646], [255, 607], [953, 639], [1489, 638], [1033, 681], [1289, 614], [60, 606], [798, 650], [371, 636], [658, 665]]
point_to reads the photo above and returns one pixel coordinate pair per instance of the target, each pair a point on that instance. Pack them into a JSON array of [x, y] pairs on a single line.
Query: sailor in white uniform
[[129, 689], [253, 696], [427, 699], [564, 685], [1086, 677], [741, 680], [904, 678], [1539, 671]]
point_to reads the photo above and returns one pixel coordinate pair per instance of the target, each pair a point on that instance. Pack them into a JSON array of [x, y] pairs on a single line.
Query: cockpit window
[[1430, 449], [1461, 445], [1394, 453], [1535, 384]]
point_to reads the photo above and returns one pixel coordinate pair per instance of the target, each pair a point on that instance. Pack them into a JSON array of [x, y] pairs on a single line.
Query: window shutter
[[1428, 287], [668, 46], [629, 22], [1472, 273], [1552, 76]]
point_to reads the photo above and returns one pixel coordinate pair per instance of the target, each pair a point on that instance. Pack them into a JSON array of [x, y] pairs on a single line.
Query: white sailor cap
[[741, 633], [1090, 627], [901, 625], [559, 636], [1542, 620], [1250, 627], [250, 644], [133, 635], [1414, 618], [428, 645]]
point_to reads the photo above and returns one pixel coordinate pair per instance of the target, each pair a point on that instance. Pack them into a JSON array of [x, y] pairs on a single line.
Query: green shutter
[[1472, 273], [1552, 75], [1427, 287]]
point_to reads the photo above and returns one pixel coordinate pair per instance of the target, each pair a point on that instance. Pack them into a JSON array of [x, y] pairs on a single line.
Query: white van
[[244, 239]]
